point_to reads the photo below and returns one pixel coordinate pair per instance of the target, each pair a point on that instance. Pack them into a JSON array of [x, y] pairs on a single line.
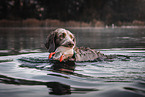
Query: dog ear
[[50, 42]]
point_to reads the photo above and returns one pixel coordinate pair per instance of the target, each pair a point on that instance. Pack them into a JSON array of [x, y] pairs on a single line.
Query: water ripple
[[124, 71]]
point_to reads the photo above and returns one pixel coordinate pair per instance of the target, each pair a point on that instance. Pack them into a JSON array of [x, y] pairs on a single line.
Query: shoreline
[[110, 27], [50, 23]]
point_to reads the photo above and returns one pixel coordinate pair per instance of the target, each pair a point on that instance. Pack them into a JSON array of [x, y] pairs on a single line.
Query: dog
[[62, 44]]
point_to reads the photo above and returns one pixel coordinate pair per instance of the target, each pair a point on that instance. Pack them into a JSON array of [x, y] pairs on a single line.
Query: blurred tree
[[4, 8], [61, 9], [23, 9], [123, 10], [109, 11]]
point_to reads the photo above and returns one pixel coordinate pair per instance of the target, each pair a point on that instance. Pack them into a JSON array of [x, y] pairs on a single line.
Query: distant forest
[[108, 11]]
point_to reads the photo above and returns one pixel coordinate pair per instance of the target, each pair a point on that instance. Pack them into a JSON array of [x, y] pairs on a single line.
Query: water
[[26, 71]]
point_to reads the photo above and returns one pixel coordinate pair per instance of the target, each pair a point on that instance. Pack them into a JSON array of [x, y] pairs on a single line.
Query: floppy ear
[[50, 42]]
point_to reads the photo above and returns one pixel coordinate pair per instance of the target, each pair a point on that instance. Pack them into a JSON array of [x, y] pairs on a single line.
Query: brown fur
[[54, 40]]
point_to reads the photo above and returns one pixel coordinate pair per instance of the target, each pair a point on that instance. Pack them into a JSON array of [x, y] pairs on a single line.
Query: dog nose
[[70, 44]]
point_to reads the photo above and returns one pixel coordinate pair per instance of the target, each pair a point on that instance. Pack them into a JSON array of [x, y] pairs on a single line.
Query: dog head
[[60, 37]]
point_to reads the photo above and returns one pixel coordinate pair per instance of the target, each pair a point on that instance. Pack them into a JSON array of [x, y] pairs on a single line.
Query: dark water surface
[[25, 70]]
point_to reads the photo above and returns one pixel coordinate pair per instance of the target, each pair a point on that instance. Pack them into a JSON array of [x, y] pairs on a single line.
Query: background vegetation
[[71, 12]]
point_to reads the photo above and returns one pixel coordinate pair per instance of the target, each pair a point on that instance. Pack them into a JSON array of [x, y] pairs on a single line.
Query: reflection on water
[[32, 74], [21, 38], [17, 40], [56, 87], [123, 75]]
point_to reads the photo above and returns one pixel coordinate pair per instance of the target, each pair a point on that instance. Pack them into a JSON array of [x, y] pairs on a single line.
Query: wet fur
[[81, 54]]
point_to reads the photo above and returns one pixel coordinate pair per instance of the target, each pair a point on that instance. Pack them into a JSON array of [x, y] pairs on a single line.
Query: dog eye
[[62, 35], [71, 36], [73, 39]]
